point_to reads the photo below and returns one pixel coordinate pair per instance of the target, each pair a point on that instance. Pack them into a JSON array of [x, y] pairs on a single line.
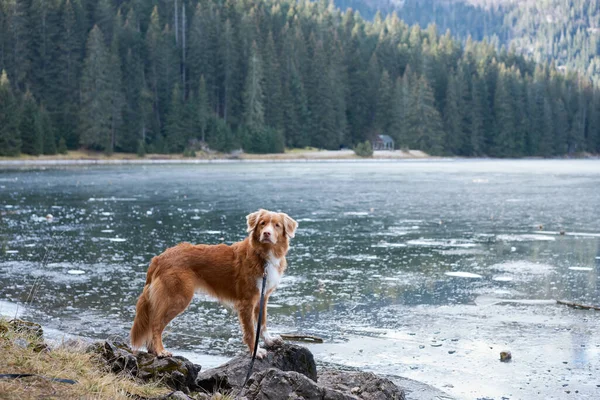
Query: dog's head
[[271, 228]]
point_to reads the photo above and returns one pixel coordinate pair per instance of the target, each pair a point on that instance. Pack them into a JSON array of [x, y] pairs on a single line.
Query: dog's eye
[[277, 225], [262, 223]]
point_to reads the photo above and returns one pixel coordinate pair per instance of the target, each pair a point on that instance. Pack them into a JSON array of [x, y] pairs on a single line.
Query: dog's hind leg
[[169, 300]]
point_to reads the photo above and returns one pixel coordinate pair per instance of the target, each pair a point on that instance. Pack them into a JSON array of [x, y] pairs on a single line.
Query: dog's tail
[[140, 334]]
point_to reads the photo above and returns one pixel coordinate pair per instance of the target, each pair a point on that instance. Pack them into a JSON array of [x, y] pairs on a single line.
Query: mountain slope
[[566, 32]]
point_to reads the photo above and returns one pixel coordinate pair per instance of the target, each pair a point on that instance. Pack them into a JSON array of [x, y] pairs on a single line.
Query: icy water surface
[[404, 268]]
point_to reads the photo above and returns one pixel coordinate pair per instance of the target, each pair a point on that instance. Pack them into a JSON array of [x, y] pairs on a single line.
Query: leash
[[258, 324], [18, 376]]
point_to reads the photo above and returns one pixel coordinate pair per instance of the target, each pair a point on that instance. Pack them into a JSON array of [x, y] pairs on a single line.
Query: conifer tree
[[66, 71], [49, 139], [202, 108], [175, 130], [272, 86], [254, 113], [10, 137], [96, 116], [385, 105], [453, 119], [30, 127], [427, 126], [478, 110], [504, 118]]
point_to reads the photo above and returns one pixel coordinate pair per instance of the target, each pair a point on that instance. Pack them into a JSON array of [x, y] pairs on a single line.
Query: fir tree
[[202, 108], [49, 139], [96, 116], [175, 131], [30, 127], [453, 118], [504, 118], [10, 138], [254, 114], [385, 105], [425, 121]]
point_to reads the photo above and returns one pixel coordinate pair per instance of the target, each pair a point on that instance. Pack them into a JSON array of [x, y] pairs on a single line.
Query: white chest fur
[[273, 275]]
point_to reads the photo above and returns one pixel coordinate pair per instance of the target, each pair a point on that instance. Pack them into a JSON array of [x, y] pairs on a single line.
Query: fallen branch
[[576, 305], [301, 338]]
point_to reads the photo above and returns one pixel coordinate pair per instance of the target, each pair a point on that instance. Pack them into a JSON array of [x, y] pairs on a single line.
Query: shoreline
[[293, 156], [49, 163], [78, 158], [55, 338]]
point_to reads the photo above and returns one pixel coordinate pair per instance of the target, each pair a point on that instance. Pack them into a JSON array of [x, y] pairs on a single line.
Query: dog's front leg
[[246, 317], [270, 340]]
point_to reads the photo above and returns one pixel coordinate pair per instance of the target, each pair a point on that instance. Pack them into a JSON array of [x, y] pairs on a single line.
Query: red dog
[[232, 274]]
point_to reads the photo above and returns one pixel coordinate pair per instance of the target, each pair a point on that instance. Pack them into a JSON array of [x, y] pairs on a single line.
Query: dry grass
[[97, 155], [308, 153], [66, 362]]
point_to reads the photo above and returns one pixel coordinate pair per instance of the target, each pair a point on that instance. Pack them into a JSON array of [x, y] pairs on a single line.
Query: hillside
[[563, 32], [164, 77]]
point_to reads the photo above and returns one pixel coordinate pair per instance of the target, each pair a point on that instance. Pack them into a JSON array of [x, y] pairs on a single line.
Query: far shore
[[92, 158], [79, 157]]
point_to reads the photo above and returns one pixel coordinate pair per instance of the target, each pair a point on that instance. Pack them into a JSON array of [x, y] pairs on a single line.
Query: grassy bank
[[24, 352], [291, 154]]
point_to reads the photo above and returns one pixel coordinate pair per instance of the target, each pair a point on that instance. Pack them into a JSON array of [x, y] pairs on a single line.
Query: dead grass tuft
[[18, 355]]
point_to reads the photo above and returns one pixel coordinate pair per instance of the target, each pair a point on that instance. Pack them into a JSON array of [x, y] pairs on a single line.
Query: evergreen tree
[[385, 105], [505, 120], [30, 127], [96, 106], [453, 118], [479, 109], [295, 111], [49, 139], [67, 70], [10, 138], [272, 86], [561, 128], [62, 146], [115, 95], [228, 55], [202, 108], [322, 107], [175, 130], [426, 129], [254, 114]]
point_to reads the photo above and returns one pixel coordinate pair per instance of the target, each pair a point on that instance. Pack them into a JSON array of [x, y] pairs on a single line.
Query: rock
[[178, 395], [505, 356], [276, 384], [364, 385], [20, 342], [333, 385], [177, 372], [231, 375]]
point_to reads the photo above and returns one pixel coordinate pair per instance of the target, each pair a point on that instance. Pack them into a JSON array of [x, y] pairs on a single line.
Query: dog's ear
[[289, 224], [252, 219]]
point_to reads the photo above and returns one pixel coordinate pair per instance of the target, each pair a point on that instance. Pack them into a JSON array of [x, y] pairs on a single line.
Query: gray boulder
[[231, 375], [276, 384], [176, 372], [364, 385]]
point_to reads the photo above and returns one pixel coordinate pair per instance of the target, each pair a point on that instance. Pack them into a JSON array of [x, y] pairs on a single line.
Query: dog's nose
[[267, 233]]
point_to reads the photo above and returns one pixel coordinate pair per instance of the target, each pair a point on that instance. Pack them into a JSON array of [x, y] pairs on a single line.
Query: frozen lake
[[405, 268]]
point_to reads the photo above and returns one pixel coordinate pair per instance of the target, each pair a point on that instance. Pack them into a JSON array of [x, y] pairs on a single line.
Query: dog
[[232, 274]]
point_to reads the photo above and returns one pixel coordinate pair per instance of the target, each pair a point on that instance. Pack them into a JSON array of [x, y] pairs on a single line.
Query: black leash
[[258, 324], [18, 376]]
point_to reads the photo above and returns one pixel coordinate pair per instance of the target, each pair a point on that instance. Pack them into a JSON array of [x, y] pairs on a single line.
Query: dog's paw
[[261, 353], [164, 354], [273, 340]]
